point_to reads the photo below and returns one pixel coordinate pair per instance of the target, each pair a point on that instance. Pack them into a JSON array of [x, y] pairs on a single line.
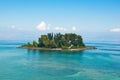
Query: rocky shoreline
[[59, 49]]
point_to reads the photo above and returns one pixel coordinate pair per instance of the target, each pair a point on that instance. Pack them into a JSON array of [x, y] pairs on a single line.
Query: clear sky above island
[[27, 19]]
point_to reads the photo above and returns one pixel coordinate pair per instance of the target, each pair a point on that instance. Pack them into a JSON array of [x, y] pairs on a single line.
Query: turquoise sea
[[102, 63]]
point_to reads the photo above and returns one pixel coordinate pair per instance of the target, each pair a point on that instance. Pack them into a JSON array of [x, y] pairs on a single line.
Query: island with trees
[[58, 41]]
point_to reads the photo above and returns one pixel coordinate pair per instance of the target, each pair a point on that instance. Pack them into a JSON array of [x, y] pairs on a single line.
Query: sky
[[28, 19]]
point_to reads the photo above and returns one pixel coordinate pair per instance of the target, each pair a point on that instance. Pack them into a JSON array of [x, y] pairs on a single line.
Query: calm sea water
[[102, 63]]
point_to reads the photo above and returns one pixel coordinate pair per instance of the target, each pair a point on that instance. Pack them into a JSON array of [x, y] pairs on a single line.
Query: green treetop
[[58, 40]]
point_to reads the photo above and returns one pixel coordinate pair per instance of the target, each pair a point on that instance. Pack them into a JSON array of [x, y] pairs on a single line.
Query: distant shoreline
[[59, 49]]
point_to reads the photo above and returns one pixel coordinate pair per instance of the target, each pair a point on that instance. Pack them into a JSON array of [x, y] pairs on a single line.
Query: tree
[[65, 43], [42, 40], [46, 43], [29, 44], [52, 44], [59, 40], [50, 36], [35, 44]]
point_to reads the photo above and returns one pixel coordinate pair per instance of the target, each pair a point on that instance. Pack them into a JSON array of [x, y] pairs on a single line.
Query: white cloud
[[20, 29], [13, 26], [48, 28], [42, 26], [49, 24], [74, 28], [16, 28], [60, 29], [115, 30]]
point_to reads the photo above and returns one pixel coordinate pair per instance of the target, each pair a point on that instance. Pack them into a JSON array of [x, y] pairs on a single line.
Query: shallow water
[[102, 63]]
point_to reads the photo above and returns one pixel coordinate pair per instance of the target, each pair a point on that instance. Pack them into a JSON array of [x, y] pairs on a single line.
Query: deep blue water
[[102, 63]]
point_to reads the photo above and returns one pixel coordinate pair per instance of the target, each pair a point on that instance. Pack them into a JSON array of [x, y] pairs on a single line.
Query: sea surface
[[102, 63]]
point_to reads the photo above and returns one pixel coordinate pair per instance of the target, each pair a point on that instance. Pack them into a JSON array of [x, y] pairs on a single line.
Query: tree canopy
[[58, 40]]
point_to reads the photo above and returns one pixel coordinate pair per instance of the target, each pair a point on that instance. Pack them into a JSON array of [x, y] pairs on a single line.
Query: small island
[[58, 41]]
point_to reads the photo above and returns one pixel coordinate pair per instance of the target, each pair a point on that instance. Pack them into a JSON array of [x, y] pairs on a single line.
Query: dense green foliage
[[58, 40], [68, 40], [34, 44]]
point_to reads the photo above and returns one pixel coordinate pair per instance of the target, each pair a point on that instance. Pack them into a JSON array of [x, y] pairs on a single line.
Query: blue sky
[[28, 19]]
